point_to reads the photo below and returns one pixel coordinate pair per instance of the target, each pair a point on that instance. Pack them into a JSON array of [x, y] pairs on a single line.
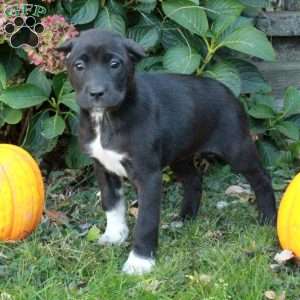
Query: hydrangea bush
[[202, 37]]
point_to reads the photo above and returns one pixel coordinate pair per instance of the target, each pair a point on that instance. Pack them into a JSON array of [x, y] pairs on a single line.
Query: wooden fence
[[282, 25]]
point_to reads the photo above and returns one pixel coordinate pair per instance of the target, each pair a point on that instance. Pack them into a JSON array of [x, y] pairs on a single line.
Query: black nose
[[97, 92]]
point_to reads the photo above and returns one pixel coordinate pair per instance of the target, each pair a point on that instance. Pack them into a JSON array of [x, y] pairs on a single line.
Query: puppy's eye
[[114, 64], [79, 66]]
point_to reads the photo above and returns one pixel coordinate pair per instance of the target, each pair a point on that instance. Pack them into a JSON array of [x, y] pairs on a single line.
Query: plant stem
[[206, 61], [211, 50]]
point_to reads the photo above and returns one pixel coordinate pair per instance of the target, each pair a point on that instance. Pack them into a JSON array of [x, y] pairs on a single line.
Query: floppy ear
[[135, 51], [65, 47]]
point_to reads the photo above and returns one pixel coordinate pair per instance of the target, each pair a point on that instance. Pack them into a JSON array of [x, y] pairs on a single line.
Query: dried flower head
[[48, 1], [56, 31]]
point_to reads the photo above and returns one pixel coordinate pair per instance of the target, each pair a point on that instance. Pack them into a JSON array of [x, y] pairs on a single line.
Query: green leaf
[[147, 36], [58, 82], [87, 13], [285, 158], [251, 41], [23, 96], [255, 3], [226, 73], [93, 234], [11, 62], [61, 85], [188, 14], [11, 116], [146, 6], [240, 22], [73, 122], [295, 149], [222, 23], [2, 77], [291, 102], [150, 63], [225, 8], [261, 111], [172, 38], [289, 129], [264, 99], [53, 127], [252, 79], [117, 8], [268, 153], [75, 159], [40, 80], [69, 101], [110, 21], [181, 60], [35, 142], [73, 6], [174, 35]]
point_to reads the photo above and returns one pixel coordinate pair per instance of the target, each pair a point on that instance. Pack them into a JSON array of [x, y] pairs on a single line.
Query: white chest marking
[[110, 159]]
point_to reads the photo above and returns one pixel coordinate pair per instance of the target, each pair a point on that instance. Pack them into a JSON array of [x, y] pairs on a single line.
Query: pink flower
[[56, 31]]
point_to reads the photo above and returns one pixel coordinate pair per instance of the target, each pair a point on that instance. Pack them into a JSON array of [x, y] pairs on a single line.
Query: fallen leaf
[[242, 192], [284, 256], [176, 224], [275, 267], [173, 225], [200, 278], [150, 285], [5, 296], [133, 211], [164, 226], [213, 235], [57, 217], [134, 203], [270, 295], [204, 278], [93, 234], [222, 204]]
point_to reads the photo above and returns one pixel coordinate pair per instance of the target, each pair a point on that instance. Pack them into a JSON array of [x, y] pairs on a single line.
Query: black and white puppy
[[135, 124]]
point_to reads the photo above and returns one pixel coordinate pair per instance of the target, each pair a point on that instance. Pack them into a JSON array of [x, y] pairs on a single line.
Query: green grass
[[224, 254]]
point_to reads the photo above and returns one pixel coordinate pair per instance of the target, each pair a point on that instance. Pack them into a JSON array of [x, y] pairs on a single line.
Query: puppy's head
[[100, 66]]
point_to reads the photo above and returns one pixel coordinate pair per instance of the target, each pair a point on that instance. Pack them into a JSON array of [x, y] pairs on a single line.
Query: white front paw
[[116, 236], [138, 265]]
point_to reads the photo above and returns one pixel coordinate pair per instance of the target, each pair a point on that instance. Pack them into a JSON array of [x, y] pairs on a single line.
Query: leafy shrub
[[207, 38]]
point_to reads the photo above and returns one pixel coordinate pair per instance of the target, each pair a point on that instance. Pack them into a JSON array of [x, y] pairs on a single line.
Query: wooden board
[[292, 5], [280, 75], [283, 23]]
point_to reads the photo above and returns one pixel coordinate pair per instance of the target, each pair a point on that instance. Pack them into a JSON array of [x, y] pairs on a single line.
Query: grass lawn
[[224, 254]]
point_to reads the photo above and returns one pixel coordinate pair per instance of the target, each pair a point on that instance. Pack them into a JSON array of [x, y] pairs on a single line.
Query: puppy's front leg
[[141, 258], [113, 203]]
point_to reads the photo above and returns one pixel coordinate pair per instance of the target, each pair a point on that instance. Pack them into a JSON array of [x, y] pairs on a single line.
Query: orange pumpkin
[[21, 193], [288, 222]]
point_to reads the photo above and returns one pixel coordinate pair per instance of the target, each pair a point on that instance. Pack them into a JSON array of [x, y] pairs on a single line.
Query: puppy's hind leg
[[246, 161], [113, 203], [191, 179]]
